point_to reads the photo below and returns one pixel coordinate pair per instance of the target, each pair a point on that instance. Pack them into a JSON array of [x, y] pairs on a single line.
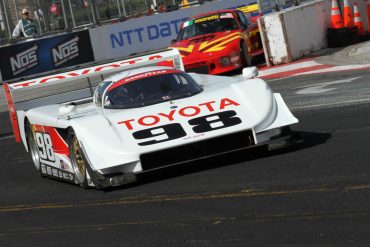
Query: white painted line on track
[[289, 67], [306, 67], [6, 137], [322, 87], [330, 104], [336, 69]]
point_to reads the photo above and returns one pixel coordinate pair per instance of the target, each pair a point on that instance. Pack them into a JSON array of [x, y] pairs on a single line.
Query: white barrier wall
[[295, 32], [306, 28], [149, 32]]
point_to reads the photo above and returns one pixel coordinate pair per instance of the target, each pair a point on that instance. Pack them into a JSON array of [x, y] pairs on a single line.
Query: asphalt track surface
[[314, 194]]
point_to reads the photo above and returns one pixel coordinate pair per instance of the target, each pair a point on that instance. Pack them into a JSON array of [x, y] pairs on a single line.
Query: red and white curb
[[305, 67]]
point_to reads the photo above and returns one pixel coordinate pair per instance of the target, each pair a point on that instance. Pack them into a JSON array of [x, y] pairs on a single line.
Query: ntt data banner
[[42, 55], [149, 32]]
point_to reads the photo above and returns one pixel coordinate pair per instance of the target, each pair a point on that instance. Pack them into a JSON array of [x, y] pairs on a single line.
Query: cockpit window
[[150, 88], [206, 25]]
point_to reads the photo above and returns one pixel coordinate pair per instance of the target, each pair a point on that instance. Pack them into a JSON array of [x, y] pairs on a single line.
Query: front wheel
[[78, 160]]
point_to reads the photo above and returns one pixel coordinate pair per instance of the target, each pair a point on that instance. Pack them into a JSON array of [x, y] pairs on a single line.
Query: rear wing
[[249, 8], [76, 84], [252, 11], [148, 59]]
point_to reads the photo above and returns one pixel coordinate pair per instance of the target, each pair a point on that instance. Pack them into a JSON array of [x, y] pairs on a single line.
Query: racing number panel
[[45, 146], [53, 153], [161, 134], [173, 131]]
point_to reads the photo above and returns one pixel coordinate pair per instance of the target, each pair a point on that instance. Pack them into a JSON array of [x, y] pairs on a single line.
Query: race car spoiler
[[107, 68], [168, 57]]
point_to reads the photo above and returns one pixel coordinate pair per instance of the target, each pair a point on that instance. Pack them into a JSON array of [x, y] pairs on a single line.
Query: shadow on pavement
[[309, 139], [5, 125]]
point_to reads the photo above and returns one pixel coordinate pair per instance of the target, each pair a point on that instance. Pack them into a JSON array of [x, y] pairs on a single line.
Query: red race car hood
[[208, 45]]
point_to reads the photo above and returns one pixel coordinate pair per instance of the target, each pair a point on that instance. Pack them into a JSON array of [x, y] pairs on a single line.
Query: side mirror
[[250, 72], [173, 41]]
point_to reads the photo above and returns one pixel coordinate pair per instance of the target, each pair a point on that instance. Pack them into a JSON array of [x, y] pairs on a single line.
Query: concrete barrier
[[149, 32], [292, 33], [298, 31]]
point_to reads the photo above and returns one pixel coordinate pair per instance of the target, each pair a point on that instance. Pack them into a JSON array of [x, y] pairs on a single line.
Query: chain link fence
[[58, 16], [54, 16]]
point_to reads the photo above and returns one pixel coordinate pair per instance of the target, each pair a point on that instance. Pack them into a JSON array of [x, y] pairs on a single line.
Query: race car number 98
[[45, 145], [174, 131]]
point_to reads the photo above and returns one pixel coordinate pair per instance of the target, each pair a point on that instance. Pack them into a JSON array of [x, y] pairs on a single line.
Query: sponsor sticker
[[207, 18], [56, 173], [188, 23], [164, 126], [64, 165], [65, 52], [141, 76], [24, 60], [183, 112], [85, 71]]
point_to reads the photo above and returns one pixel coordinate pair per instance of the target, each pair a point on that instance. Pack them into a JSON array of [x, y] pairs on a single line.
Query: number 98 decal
[[45, 146], [160, 134], [214, 121], [174, 131]]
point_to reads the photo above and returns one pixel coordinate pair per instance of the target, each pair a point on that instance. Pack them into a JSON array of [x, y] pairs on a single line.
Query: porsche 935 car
[[142, 117], [218, 42]]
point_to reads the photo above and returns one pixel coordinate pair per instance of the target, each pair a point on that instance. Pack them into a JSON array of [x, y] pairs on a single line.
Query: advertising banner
[[42, 55], [150, 32]]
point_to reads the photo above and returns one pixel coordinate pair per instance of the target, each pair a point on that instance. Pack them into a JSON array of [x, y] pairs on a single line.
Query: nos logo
[[24, 60], [65, 51]]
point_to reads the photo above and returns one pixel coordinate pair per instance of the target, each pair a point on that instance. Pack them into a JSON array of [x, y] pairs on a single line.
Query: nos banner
[[42, 55]]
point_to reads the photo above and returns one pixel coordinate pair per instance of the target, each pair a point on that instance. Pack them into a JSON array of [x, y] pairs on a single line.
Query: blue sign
[[144, 33], [42, 55]]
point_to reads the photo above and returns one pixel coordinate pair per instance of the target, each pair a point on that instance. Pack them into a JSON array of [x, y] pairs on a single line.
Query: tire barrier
[[339, 37]]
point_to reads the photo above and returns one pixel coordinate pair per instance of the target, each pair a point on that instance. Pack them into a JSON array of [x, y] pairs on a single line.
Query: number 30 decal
[[173, 131], [45, 145]]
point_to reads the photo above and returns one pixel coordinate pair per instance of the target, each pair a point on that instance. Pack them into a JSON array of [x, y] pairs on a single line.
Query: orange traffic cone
[[358, 21], [347, 15], [336, 18]]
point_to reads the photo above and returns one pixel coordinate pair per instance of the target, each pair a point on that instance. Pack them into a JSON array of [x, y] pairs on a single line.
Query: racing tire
[[78, 160], [33, 149], [244, 55]]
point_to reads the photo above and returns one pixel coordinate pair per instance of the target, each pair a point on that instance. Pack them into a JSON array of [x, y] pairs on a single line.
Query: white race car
[[143, 117]]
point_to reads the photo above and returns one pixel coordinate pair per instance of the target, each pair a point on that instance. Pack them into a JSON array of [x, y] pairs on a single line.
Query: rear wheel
[[78, 160], [32, 146], [244, 55]]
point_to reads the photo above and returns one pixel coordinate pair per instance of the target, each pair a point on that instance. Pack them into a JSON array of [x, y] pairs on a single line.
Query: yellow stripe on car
[[218, 47], [188, 49]]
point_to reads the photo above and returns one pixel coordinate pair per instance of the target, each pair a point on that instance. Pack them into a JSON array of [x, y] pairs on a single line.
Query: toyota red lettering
[[87, 71], [154, 120], [183, 113], [187, 111]]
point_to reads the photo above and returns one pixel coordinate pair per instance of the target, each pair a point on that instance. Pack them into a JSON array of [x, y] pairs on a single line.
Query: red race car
[[218, 42]]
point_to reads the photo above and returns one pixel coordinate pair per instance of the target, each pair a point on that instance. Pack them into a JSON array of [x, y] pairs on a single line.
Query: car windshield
[[206, 25], [142, 90]]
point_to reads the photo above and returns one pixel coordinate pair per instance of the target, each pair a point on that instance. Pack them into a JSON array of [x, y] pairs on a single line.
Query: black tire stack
[[340, 37]]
